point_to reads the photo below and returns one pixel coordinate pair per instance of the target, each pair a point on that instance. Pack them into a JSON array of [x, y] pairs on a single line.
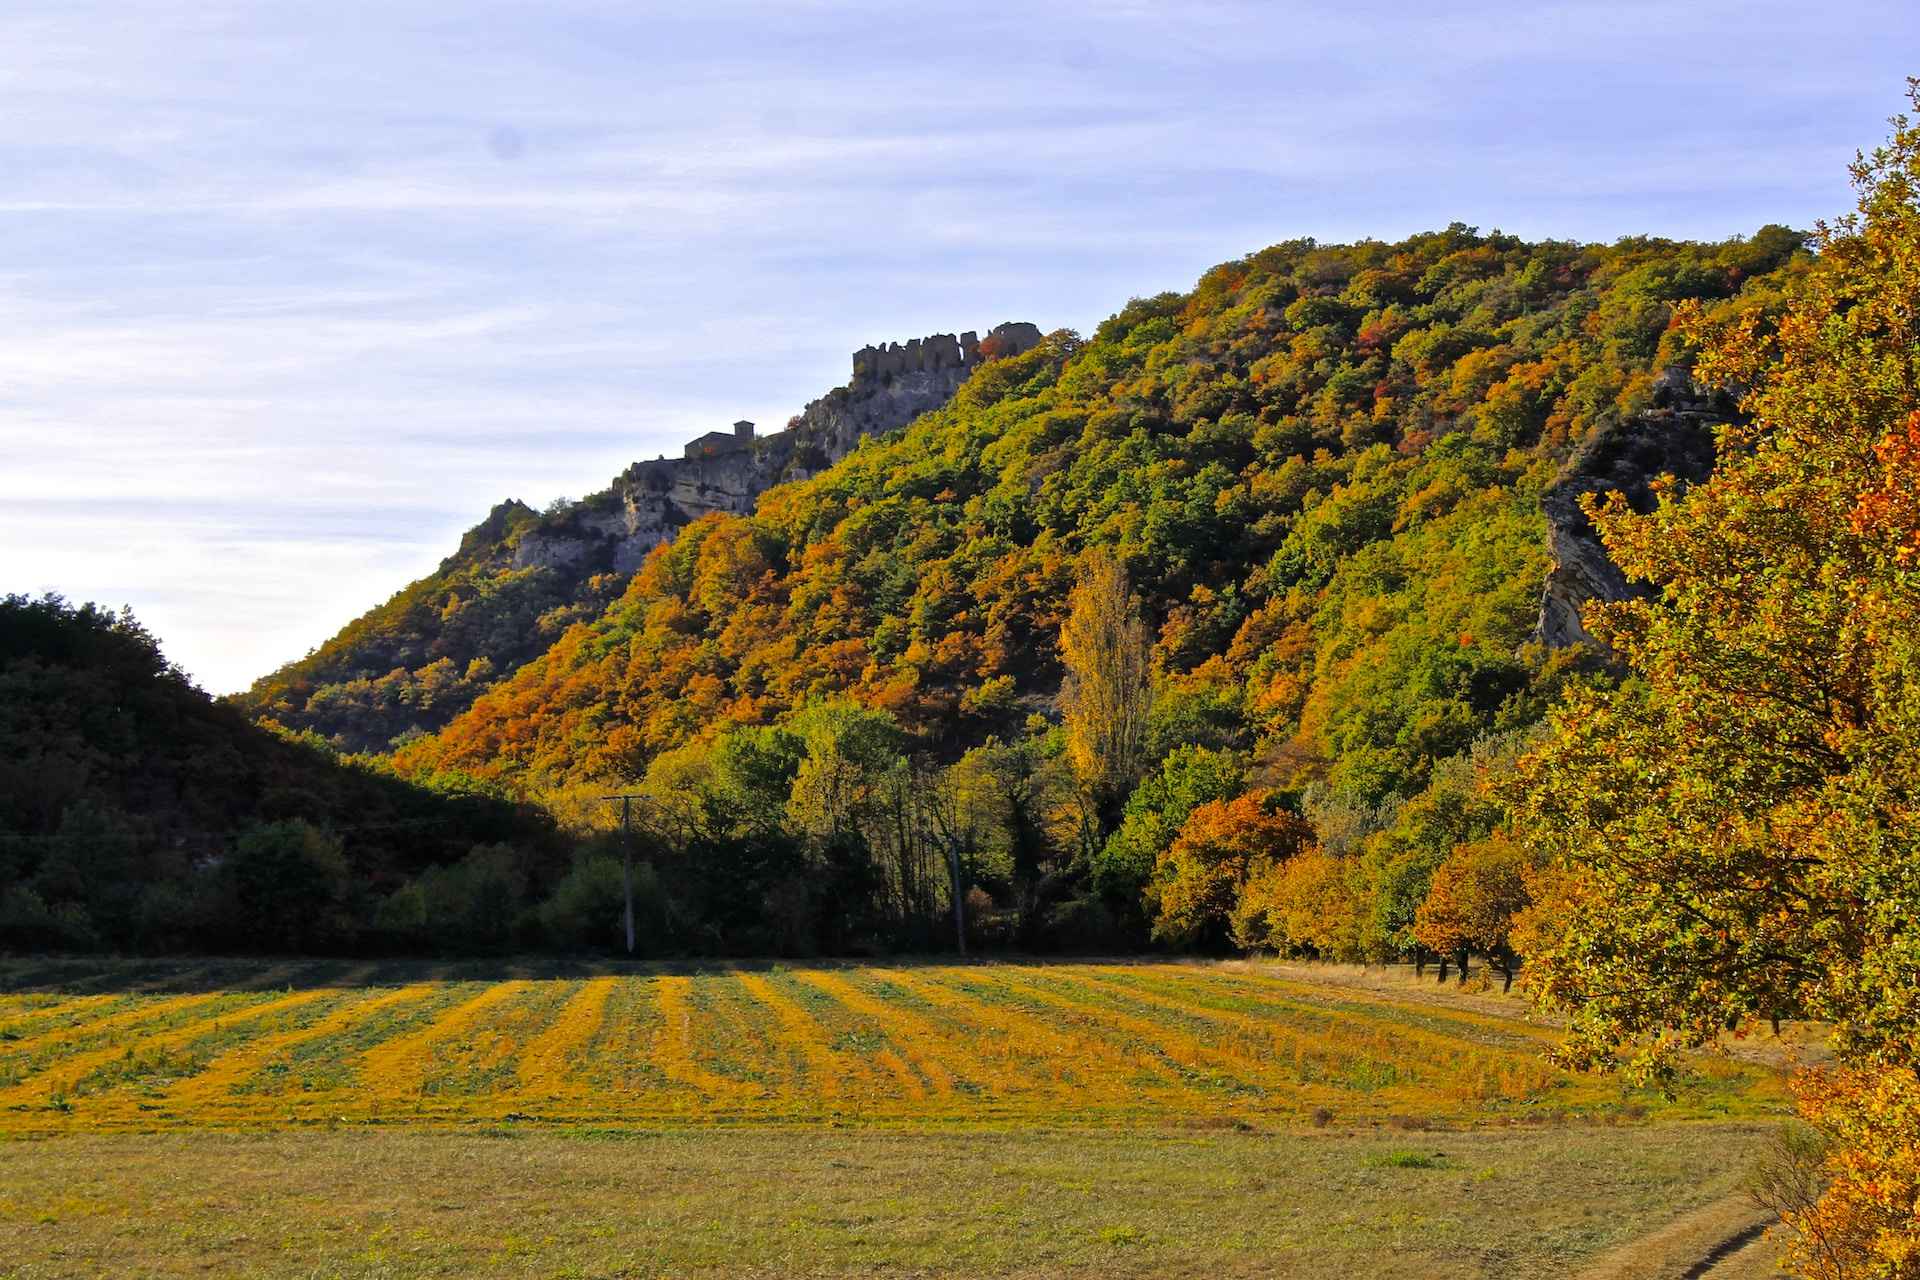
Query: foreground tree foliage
[[1737, 828]]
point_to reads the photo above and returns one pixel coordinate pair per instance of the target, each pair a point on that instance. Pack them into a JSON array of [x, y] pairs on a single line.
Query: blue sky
[[292, 293]]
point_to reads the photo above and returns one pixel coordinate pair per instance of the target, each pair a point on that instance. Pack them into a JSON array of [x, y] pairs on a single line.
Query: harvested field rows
[[295, 1045]]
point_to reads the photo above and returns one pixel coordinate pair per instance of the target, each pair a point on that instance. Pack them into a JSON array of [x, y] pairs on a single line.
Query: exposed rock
[[1673, 438], [890, 387]]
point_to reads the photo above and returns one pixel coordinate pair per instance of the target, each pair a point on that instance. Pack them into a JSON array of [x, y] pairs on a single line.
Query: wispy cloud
[[290, 294]]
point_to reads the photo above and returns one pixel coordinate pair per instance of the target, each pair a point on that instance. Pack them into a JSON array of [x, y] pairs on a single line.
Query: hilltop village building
[[715, 443]]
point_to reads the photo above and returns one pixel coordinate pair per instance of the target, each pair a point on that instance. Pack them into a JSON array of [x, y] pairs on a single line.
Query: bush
[[586, 908]]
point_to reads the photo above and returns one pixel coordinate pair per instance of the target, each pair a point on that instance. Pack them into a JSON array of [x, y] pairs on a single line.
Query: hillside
[[520, 577], [1323, 467], [138, 814]]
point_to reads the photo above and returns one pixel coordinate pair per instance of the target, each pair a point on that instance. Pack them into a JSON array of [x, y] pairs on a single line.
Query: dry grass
[[881, 1045]]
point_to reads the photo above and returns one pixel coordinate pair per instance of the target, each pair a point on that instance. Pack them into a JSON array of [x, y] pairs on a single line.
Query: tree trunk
[[1443, 970], [1419, 963], [1461, 959]]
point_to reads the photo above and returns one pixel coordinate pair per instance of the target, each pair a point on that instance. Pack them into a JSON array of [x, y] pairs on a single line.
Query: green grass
[[361, 1204]]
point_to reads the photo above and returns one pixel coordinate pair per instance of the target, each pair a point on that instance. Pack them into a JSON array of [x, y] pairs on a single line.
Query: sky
[[291, 293]]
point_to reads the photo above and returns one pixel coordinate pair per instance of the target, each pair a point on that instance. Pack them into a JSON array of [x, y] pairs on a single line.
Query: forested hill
[[521, 577], [138, 814], [1323, 469]]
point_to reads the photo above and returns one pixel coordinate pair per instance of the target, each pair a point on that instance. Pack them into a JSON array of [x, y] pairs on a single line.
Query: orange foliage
[[1223, 845]]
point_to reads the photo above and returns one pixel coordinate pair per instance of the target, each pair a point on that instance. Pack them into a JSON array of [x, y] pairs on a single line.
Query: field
[[329, 1118], [233, 1046]]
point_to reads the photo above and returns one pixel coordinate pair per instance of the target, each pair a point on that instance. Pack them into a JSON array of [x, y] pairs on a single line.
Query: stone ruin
[[942, 351]]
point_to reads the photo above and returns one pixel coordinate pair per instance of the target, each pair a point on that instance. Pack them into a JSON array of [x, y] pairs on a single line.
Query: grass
[[404, 1120], [399, 1204]]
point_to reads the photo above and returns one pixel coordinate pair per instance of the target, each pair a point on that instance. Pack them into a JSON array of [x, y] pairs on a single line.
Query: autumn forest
[[1545, 614]]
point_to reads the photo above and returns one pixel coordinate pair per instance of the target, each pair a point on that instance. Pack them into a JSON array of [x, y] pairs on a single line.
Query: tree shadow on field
[[186, 975]]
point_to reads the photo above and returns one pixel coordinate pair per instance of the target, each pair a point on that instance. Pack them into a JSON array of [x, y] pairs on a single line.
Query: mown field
[[233, 1046], [367, 1121]]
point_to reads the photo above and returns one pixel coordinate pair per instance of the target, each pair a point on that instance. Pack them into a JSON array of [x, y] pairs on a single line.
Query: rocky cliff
[[1673, 438], [649, 502]]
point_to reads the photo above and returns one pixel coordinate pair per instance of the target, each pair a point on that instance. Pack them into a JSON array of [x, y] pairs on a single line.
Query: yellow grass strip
[[1352, 1033], [916, 1037], [72, 1070], [399, 1067], [1180, 1046], [546, 1062], [827, 1069], [146, 1012], [54, 1010], [1051, 1050], [1386, 1006], [242, 1062], [673, 1048]]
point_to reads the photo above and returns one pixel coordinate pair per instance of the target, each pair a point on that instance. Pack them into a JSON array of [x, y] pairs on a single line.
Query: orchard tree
[[1476, 894]]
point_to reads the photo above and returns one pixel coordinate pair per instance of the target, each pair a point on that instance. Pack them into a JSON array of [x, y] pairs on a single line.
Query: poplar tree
[[1108, 691]]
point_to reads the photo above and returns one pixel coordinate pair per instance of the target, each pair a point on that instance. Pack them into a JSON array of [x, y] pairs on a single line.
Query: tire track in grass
[[545, 1068], [216, 1084], [1053, 1058], [399, 1068], [63, 1074], [914, 1036]]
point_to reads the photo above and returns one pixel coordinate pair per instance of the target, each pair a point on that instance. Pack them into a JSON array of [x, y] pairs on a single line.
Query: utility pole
[[626, 858]]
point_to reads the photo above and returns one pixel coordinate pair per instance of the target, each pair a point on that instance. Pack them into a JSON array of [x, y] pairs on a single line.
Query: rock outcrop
[[728, 471], [1673, 438]]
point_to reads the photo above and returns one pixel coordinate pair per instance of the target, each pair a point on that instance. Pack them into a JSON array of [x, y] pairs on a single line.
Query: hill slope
[[1324, 468], [521, 577], [137, 813]]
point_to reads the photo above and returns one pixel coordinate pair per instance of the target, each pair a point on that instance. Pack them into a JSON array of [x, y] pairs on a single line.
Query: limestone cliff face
[[650, 501], [1673, 438]]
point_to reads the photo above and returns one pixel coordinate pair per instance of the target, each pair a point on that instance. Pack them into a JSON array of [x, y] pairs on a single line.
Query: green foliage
[[1189, 776], [474, 904], [136, 813], [1736, 825], [1321, 470], [585, 909], [289, 883]]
